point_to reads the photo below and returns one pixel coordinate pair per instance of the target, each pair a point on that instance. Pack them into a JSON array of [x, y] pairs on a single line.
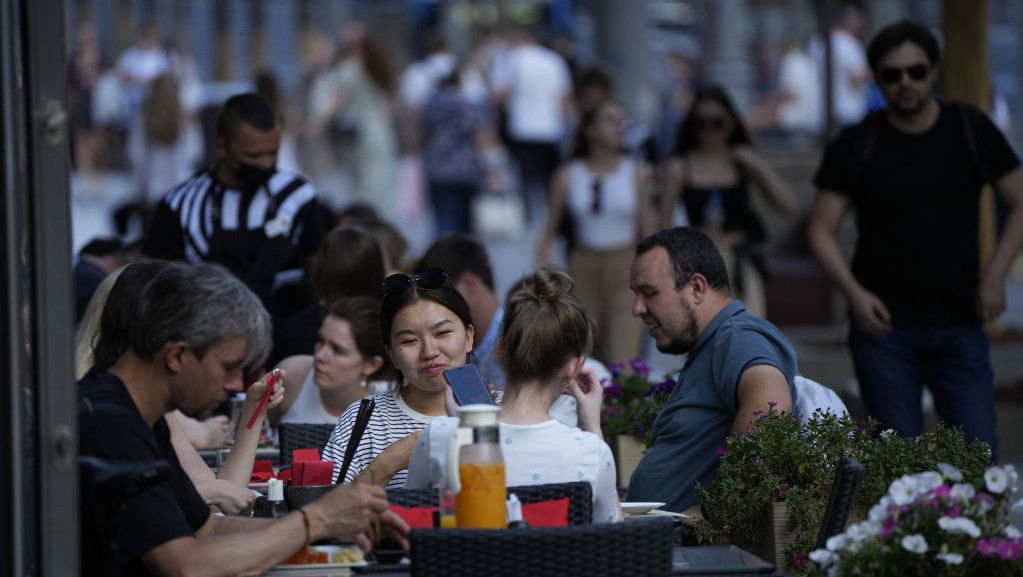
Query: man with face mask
[[242, 212]]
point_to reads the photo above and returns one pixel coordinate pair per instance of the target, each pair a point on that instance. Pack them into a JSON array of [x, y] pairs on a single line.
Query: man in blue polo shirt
[[737, 364]]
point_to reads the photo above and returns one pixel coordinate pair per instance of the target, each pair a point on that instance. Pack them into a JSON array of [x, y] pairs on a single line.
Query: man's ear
[[698, 287], [467, 284], [174, 356]]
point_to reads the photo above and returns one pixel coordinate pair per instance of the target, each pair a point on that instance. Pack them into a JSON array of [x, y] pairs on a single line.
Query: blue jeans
[[955, 364], [451, 202]]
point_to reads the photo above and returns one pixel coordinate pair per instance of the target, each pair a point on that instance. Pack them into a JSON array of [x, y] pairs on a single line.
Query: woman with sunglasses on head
[[546, 335], [603, 194], [426, 327], [710, 172]]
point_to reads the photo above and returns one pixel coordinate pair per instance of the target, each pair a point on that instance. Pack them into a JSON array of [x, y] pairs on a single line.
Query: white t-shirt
[[308, 408], [548, 452], [614, 227], [797, 76], [537, 80], [392, 420], [847, 59]]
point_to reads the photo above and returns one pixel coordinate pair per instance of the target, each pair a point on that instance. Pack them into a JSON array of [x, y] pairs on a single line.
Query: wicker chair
[[579, 493], [848, 478], [640, 547], [293, 436]]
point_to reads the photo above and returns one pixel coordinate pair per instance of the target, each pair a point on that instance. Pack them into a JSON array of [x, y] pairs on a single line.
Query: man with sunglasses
[[917, 291]]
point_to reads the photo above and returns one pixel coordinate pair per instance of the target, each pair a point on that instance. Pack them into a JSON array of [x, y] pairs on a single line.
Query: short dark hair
[[891, 36], [595, 75], [457, 253], [691, 251], [249, 108]]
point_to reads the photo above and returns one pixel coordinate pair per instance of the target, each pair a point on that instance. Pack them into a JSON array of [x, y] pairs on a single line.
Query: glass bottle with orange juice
[[480, 500]]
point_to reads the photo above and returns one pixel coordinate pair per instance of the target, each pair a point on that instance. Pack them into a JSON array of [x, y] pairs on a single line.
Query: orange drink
[[481, 502]]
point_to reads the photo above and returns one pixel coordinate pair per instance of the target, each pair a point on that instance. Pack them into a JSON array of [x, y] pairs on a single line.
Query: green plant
[[632, 401], [784, 460], [932, 523]]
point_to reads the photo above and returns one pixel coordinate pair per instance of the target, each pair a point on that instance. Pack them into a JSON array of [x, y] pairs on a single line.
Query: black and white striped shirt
[[254, 234], [392, 420]]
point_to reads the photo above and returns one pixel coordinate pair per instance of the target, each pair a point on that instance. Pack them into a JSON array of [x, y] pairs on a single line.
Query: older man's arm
[[759, 386]]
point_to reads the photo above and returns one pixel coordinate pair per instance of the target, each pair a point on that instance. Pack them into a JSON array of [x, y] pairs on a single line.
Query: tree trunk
[[967, 79]]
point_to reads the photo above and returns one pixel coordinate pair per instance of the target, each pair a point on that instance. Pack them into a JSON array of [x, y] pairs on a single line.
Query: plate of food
[[640, 508], [318, 558]]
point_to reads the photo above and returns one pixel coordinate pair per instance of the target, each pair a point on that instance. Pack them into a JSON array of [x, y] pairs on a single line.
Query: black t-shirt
[[115, 431], [916, 203]]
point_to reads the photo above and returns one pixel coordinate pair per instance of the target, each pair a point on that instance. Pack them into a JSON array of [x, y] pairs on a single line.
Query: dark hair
[[268, 87], [891, 36], [686, 136], [595, 75], [203, 305], [445, 295], [363, 315], [457, 253], [249, 108], [691, 251], [358, 213], [121, 312], [544, 327], [581, 144], [349, 263]]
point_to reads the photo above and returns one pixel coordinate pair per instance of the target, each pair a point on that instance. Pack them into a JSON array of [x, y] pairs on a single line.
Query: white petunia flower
[[996, 479], [929, 480], [887, 433], [950, 558], [915, 543], [903, 490], [842, 542], [863, 532], [1012, 532], [950, 472], [959, 525], [962, 492], [823, 558]]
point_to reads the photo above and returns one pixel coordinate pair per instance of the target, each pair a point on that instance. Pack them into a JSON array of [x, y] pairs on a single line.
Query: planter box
[[627, 451], [774, 535]]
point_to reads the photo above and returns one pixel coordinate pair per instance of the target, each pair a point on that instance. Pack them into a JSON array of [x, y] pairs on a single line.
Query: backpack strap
[[971, 121], [863, 150]]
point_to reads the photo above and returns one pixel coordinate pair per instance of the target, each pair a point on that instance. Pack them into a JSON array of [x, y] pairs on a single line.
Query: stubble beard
[[685, 341]]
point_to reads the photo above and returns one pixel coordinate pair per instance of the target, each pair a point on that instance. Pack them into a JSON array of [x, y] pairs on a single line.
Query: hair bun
[[549, 285]]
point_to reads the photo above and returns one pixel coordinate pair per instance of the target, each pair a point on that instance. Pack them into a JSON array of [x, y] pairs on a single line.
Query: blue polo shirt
[[697, 418]]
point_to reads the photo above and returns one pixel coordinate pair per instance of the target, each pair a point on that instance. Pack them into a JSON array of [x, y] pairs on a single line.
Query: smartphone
[[468, 385]]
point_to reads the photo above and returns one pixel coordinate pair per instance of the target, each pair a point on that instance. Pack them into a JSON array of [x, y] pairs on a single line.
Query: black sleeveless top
[[735, 200]]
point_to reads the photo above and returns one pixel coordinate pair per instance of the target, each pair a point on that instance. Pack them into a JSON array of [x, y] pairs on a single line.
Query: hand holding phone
[[468, 386]]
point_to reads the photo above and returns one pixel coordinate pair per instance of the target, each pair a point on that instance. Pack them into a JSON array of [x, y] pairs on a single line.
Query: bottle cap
[[478, 415], [275, 490]]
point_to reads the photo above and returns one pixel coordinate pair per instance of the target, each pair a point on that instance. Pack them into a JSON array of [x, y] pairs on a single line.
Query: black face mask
[[251, 177]]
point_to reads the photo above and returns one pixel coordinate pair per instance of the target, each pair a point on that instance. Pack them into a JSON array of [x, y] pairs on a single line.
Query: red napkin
[[300, 455], [416, 517], [307, 473], [284, 476], [262, 471], [542, 514], [546, 513]]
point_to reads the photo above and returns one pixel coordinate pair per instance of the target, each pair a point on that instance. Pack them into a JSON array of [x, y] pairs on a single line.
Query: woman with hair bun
[[545, 337]]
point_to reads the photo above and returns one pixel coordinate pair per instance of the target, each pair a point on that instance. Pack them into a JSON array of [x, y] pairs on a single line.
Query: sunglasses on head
[[715, 122], [893, 74], [430, 278]]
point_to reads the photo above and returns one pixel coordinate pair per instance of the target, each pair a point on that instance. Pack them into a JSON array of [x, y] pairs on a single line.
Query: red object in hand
[[270, 382]]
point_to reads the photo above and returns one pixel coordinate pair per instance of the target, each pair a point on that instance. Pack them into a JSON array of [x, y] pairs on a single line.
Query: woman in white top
[[428, 328], [349, 354], [545, 337], [605, 196]]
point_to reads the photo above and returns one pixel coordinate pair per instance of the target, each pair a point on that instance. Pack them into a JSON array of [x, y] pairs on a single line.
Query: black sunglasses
[[715, 122], [596, 195], [430, 278], [893, 74]]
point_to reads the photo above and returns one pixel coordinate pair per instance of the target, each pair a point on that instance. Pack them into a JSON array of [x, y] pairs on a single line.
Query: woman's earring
[[363, 382]]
